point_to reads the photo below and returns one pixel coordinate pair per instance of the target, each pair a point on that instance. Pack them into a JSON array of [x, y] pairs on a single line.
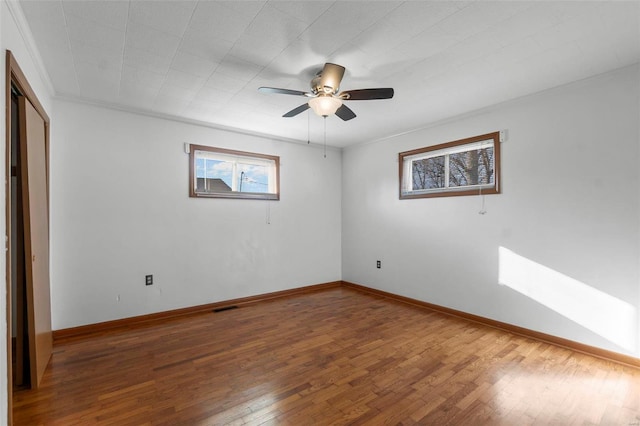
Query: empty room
[[321, 212]]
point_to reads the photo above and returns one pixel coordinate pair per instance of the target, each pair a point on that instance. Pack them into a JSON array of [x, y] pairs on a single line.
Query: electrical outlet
[[378, 264], [148, 279]]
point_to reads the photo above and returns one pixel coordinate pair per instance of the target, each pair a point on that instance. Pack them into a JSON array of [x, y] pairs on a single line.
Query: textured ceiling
[[204, 60]]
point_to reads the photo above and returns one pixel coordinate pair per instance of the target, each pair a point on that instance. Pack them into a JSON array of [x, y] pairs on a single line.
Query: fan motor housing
[[317, 88]]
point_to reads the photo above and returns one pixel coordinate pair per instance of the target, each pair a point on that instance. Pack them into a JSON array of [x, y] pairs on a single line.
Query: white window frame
[[406, 160], [236, 158]]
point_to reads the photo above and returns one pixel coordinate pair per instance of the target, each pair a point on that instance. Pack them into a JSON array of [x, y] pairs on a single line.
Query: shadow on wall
[[603, 314]]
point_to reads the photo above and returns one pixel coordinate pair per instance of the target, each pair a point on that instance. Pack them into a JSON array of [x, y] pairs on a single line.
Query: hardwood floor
[[331, 357]]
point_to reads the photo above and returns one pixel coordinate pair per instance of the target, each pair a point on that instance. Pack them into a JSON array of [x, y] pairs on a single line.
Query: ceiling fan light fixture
[[324, 97], [325, 105]]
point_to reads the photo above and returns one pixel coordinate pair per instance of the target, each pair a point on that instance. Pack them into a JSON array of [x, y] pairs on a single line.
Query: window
[[466, 167], [223, 173]]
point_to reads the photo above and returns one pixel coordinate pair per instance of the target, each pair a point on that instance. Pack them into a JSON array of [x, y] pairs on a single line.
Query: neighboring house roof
[[212, 185]]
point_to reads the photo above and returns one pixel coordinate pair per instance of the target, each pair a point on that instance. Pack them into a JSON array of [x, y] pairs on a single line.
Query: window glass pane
[[473, 167], [253, 178], [200, 167], [225, 173], [214, 176], [428, 173], [457, 168]]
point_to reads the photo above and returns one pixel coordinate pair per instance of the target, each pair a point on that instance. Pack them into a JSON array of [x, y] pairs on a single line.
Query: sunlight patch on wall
[[605, 315]]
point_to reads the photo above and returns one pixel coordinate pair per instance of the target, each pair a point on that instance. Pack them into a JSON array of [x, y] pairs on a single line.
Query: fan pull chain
[[325, 136], [308, 127], [482, 209]]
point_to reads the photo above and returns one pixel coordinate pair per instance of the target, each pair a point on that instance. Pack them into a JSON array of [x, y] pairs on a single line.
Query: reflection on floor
[[332, 357]]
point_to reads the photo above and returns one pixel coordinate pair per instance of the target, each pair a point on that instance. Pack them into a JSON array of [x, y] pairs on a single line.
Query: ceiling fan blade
[[345, 113], [297, 111], [366, 94], [283, 91], [331, 76]]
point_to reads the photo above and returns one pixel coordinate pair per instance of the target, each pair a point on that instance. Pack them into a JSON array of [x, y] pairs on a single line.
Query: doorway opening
[[20, 370], [29, 335]]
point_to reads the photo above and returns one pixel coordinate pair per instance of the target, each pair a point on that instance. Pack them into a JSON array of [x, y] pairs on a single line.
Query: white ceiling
[[204, 60]]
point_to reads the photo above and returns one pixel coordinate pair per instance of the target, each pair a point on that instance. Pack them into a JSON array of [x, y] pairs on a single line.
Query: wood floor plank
[[336, 356]]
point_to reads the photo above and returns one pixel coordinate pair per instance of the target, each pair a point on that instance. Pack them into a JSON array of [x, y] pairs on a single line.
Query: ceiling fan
[[324, 97]]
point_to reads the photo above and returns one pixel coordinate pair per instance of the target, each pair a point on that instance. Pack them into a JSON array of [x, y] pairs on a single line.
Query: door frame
[[15, 77]]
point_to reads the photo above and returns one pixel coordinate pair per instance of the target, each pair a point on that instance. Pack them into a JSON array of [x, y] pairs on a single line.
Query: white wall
[[567, 220], [12, 39], [120, 210]]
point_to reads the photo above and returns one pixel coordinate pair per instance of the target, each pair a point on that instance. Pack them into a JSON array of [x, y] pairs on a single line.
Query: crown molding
[[184, 120], [25, 32]]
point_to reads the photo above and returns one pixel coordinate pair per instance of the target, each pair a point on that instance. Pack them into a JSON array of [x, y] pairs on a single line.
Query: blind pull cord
[[268, 212], [482, 209]]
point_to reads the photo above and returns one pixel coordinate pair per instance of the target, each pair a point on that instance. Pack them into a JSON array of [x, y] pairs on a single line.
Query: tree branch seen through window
[[465, 167]]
